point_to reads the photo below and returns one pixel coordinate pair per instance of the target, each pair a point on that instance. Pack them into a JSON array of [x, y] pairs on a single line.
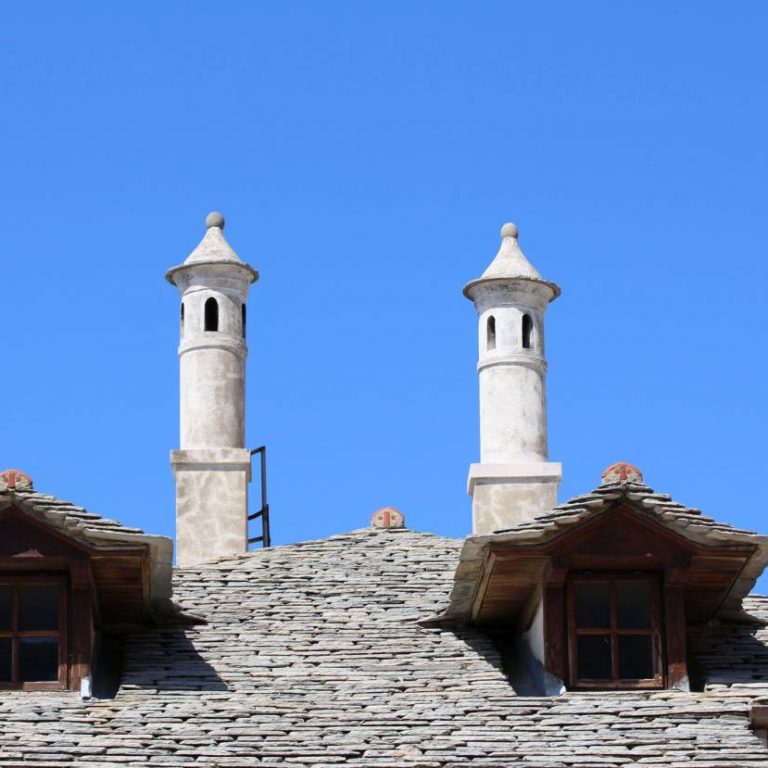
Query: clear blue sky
[[365, 156]]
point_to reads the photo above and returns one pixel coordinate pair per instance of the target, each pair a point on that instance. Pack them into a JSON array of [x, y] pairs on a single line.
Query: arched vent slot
[[527, 331], [490, 334], [182, 318], [243, 315], [211, 314]]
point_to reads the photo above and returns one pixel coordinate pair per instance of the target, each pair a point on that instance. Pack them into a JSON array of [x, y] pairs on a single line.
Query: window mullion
[[15, 609], [614, 633], [64, 667], [658, 645], [15, 641], [572, 634]]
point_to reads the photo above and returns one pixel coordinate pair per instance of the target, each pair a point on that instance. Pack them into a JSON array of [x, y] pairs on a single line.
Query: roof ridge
[[355, 533]]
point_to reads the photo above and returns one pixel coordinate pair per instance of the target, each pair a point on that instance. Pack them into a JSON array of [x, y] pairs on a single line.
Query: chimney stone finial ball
[[214, 219], [509, 230]]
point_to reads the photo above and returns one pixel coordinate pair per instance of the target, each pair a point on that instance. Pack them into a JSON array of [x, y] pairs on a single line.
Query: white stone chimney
[[212, 466], [514, 481]]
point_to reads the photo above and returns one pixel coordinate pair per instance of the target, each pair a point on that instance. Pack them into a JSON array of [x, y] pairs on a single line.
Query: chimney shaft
[[514, 480], [212, 467]]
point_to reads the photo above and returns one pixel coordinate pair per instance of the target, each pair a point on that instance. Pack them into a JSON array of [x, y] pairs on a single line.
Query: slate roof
[[686, 520], [76, 522], [313, 655], [661, 507]]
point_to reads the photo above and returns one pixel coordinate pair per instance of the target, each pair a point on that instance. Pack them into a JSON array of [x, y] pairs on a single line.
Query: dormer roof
[[735, 556]]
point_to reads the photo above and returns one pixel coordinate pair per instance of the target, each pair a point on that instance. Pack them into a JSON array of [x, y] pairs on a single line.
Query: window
[[182, 318], [243, 318], [614, 631], [491, 333], [211, 314], [527, 331], [32, 632]]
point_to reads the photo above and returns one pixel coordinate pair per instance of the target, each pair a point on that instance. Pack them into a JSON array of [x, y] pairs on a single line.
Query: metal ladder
[[263, 513]]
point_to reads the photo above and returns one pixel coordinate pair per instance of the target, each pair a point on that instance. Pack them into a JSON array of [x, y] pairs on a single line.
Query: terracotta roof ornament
[[388, 517], [12, 479], [621, 472]]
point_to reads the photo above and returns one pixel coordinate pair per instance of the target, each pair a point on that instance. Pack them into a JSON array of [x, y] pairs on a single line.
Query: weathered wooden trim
[[482, 587], [554, 632], [676, 641]]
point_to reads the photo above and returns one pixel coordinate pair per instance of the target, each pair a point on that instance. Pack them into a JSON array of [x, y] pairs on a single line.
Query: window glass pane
[[5, 659], [633, 604], [38, 659], [593, 604], [635, 657], [6, 608], [594, 657], [38, 608]]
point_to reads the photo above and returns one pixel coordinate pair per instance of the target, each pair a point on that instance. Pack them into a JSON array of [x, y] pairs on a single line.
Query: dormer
[[69, 580], [605, 591]]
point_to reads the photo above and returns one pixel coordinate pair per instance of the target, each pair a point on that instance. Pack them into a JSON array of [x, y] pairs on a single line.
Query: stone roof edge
[[63, 515], [732, 605], [465, 581], [687, 521]]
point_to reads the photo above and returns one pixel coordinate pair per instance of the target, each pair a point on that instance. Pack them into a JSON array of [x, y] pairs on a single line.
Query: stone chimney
[[514, 480], [212, 467]]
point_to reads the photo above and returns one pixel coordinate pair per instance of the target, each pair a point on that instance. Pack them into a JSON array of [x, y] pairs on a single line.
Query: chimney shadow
[[723, 655], [166, 659], [729, 654]]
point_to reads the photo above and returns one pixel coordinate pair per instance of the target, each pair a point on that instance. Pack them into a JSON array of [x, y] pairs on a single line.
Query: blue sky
[[365, 156]]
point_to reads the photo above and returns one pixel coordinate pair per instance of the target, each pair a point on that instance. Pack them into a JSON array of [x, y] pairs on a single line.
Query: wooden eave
[[514, 574]]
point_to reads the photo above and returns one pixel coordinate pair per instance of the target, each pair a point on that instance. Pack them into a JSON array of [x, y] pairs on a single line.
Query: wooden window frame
[[32, 580], [656, 632]]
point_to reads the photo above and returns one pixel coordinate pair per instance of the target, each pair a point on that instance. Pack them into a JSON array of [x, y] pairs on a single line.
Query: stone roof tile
[[75, 521]]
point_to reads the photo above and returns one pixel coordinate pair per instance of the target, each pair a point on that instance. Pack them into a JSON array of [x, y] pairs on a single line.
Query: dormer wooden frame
[[517, 580], [97, 592]]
